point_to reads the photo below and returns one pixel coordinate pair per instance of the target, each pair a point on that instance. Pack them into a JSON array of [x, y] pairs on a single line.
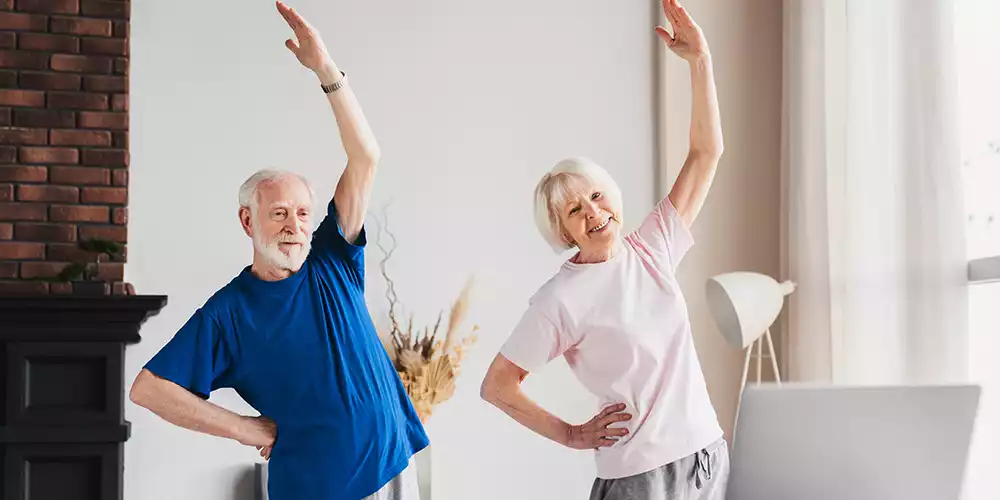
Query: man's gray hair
[[250, 190]]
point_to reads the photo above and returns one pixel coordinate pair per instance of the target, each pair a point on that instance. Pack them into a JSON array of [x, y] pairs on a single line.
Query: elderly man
[[292, 335]]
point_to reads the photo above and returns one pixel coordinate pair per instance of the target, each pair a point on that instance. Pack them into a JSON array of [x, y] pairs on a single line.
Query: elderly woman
[[615, 311]]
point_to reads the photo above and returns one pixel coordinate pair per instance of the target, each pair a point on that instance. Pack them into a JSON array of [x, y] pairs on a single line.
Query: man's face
[[282, 227]]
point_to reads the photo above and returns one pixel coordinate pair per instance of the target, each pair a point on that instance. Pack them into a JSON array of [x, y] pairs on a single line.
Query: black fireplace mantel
[[63, 428]]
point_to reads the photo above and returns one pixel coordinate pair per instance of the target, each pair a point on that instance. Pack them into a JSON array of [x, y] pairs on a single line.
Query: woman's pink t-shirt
[[623, 328]]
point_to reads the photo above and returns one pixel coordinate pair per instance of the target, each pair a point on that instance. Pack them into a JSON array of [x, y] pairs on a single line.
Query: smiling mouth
[[601, 227]]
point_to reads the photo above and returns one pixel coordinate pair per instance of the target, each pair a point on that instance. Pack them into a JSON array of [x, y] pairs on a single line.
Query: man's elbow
[[368, 158], [142, 388], [374, 156]]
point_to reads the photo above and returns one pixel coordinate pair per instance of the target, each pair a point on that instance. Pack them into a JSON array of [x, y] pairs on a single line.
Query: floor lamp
[[744, 305]]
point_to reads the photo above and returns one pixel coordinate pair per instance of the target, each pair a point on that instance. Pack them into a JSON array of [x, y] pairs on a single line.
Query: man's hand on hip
[[259, 432]]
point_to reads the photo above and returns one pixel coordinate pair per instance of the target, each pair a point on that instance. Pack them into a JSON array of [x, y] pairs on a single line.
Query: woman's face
[[590, 219]]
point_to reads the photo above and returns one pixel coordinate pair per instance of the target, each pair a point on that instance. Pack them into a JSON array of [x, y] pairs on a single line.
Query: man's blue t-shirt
[[304, 352]]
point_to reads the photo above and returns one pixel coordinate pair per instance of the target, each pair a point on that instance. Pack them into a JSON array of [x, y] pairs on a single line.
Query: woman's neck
[[597, 255]]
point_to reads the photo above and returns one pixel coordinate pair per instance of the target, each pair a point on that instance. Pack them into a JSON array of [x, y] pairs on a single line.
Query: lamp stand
[[746, 370]]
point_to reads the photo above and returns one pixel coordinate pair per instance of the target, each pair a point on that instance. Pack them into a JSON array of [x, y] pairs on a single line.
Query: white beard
[[273, 255]]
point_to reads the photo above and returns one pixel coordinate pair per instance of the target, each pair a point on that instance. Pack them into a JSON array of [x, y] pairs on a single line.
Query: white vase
[[423, 461]]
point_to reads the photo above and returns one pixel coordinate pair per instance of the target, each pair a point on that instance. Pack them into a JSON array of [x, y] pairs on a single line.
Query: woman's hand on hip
[[596, 432]]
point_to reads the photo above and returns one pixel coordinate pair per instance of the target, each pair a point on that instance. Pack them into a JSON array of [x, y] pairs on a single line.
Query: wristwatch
[[335, 86]]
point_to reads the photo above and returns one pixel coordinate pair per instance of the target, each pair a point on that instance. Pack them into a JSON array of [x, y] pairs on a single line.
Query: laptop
[[812, 442]]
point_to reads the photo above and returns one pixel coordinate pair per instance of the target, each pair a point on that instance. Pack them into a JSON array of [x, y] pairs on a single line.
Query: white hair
[[564, 180], [250, 190]]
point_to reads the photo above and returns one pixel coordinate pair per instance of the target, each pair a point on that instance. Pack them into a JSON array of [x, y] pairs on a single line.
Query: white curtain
[[873, 229]]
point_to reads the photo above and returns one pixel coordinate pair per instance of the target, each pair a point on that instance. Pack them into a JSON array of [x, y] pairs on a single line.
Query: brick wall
[[63, 137]]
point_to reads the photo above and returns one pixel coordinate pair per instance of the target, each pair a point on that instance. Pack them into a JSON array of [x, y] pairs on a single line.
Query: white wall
[[471, 103]]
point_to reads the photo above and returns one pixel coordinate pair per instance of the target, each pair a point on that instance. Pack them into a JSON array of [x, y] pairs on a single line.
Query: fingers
[[612, 433], [670, 11], [601, 432], [286, 13], [605, 442], [612, 418], [664, 35], [610, 409], [615, 431], [677, 13], [292, 46], [684, 17], [596, 433], [608, 436], [668, 6], [294, 20]]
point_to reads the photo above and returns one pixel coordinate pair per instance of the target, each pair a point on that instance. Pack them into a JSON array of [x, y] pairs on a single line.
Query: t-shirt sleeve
[[329, 242], [196, 357], [535, 341], [666, 233]]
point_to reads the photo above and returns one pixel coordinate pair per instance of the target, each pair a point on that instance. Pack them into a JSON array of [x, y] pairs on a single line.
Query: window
[[978, 43]]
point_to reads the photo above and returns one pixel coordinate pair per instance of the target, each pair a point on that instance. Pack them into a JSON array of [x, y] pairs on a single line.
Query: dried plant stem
[[426, 366], [390, 288]]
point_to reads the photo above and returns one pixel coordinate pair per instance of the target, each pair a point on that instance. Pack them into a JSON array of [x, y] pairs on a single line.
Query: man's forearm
[[176, 405], [355, 133]]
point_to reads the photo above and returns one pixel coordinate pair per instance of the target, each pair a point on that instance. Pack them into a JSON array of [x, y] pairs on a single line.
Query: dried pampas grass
[[426, 365]]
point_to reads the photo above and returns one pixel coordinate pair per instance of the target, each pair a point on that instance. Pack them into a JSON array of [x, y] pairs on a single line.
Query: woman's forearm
[[526, 412], [695, 178], [706, 122]]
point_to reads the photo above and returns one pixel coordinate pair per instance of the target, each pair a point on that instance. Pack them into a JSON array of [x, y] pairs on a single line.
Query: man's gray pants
[[701, 476], [402, 487]]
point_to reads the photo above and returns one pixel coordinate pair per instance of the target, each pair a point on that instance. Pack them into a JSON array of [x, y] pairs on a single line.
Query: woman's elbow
[[709, 153], [497, 379], [487, 389], [717, 150]]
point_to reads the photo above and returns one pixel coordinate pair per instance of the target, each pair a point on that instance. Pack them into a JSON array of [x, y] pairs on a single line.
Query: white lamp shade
[[744, 304]]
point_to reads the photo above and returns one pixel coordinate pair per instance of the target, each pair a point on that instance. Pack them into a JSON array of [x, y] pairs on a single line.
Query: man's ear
[[246, 221]]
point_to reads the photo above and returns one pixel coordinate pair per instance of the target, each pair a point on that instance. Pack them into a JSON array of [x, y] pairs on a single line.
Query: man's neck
[[269, 272]]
